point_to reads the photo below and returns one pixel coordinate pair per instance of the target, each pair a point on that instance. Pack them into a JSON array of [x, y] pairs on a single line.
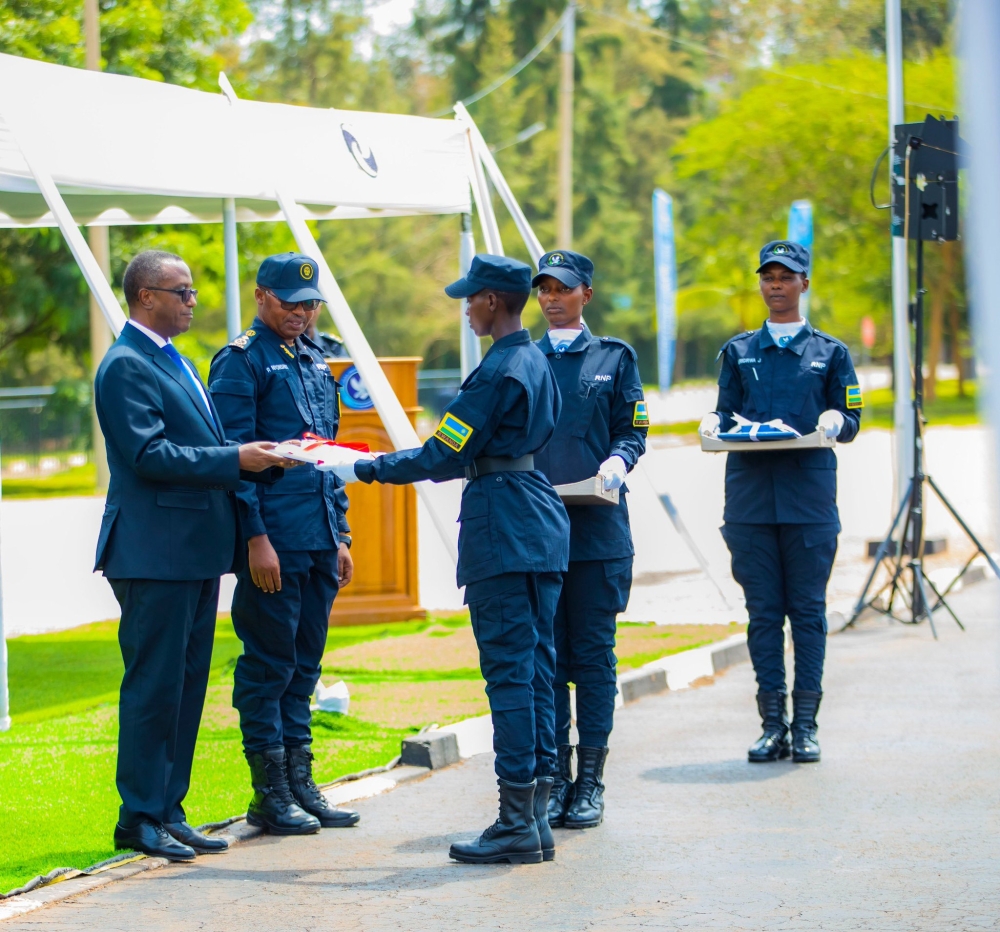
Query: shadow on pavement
[[725, 771]]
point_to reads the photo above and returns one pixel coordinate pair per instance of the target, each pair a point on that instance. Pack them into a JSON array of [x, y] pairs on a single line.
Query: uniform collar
[[797, 345], [577, 346], [512, 339]]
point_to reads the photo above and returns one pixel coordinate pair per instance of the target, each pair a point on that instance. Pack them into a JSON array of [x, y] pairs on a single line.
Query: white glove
[[710, 424], [832, 422], [613, 471], [343, 471]]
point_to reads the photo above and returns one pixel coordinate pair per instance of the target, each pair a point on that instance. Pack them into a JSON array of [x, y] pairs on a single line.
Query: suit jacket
[[171, 509]]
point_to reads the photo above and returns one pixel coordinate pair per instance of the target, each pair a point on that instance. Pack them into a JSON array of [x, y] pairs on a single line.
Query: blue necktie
[[171, 351]]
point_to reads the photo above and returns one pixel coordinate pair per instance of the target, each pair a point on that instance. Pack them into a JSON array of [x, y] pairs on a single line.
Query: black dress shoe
[[153, 839], [202, 844]]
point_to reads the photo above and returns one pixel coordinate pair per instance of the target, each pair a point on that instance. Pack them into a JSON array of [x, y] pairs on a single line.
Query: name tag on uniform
[[453, 432], [277, 367], [602, 378], [641, 416], [854, 399], [817, 365]]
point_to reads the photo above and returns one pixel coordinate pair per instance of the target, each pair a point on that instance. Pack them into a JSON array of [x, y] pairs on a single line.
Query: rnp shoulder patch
[[453, 433], [854, 398], [641, 416]]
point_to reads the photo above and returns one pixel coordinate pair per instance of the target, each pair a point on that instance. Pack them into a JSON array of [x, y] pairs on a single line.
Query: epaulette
[[621, 343], [739, 336], [832, 339], [244, 340], [331, 336]]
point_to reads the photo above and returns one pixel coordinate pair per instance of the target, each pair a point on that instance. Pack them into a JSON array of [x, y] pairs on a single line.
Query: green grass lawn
[[57, 763], [79, 480]]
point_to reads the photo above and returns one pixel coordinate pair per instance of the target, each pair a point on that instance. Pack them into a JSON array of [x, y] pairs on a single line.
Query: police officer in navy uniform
[[272, 381], [781, 520], [601, 431], [513, 546]]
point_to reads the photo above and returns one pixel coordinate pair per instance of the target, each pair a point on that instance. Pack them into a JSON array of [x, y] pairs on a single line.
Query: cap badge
[[360, 150], [557, 258], [780, 249], [306, 271]]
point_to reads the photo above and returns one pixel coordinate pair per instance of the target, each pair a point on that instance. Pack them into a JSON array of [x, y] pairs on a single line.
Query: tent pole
[[482, 199], [481, 151], [233, 325], [468, 343], [394, 418]]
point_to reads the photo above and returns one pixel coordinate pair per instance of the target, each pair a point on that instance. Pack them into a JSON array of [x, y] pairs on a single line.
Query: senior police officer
[[512, 547], [601, 430], [781, 520], [272, 381]]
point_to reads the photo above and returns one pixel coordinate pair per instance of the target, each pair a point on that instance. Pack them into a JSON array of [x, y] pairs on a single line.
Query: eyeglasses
[[185, 294], [310, 304]]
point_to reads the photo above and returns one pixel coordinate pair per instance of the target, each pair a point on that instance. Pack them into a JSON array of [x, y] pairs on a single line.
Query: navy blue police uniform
[[781, 519], [603, 415], [330, 346], [513, 541], [266, 388]]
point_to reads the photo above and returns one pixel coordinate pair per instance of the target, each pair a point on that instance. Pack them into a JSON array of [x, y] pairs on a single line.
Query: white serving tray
[[588, 492], [815, 440]]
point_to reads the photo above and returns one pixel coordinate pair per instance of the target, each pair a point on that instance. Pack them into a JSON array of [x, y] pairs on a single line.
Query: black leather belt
[[487, 464]]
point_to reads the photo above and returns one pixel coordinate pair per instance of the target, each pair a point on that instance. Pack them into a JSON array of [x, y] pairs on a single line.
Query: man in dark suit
[[169, 532]]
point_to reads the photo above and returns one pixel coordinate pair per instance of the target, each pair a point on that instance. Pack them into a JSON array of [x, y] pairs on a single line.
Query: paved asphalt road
[[897, 828]]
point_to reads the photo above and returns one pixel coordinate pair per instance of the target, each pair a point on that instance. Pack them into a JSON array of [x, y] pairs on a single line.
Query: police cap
[[570, 268], [290, 276], [496, 272], [785, 252]]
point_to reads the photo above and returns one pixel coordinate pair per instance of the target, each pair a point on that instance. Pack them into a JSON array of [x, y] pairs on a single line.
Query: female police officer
[[781, 521], [602, 429]]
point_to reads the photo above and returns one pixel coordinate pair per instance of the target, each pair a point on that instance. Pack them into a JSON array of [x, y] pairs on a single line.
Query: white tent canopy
[[125, 150]]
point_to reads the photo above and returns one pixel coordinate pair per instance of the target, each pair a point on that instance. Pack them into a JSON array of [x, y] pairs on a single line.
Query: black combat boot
[[805, 747], [272, 807], [773, 743], [307, 794], [513, 837], [562, 789], [587, 808], [543, 786]]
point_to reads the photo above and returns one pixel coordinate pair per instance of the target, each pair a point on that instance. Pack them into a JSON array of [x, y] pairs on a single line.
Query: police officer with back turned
[[781, 521], [272, 380], [602, 430], [512, 547]]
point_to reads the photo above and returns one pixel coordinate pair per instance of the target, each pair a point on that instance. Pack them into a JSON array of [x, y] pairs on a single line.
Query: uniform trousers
[[166, 636], [593, 593], [784, 569], [284, 637], [512, 621]]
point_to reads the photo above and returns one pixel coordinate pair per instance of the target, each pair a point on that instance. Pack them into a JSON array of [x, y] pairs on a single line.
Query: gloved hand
[[613, 471], [710, 424], [344, 472], [832, 422]]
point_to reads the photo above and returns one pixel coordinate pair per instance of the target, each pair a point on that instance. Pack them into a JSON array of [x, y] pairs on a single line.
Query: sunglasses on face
[[310, 304], [185, 294]]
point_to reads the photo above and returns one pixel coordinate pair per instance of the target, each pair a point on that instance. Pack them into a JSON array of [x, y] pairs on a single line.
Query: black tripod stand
[[904, 561]]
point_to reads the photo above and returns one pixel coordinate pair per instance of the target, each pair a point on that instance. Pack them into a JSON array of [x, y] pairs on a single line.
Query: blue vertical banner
[[665, 266], [800, 230]]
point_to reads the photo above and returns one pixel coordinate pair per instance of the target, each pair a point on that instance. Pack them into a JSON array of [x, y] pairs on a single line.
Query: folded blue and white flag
[[755, 431]]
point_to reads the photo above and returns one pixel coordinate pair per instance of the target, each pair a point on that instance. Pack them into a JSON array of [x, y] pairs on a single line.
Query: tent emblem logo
[[360, 150]]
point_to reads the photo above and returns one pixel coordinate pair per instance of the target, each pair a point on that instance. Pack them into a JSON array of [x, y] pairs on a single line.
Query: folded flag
[[747, 431]]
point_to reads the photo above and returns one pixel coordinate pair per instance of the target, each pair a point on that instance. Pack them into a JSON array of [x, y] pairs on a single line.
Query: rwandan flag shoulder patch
[[854, 399], [641, 416], [452, 432]]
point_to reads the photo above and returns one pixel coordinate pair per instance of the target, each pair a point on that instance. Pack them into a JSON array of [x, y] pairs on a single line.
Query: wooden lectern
[[383, 518]]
